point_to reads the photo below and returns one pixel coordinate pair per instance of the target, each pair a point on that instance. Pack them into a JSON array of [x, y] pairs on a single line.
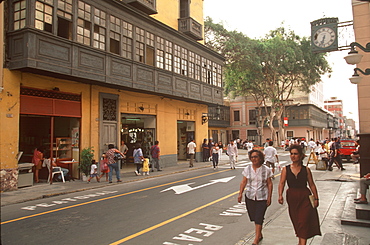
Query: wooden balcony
[[147, 6], [191, 28]]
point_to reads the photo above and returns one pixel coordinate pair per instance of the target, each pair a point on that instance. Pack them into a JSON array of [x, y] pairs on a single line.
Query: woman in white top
[[258, 190], [215, 151]]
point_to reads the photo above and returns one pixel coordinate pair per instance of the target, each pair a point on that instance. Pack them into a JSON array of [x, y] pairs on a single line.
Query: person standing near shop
[[124, 150], [205, 150], [112, 163], [232, 152], [191, 151], [155, 152], [258, 191], [303, 215], [271, 157], [37, 158], [138, 158]]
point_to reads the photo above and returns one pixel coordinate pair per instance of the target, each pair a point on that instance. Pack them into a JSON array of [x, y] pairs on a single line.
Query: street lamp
[[354, 58]]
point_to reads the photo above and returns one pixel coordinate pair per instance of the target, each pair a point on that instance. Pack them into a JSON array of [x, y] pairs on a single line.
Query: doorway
[[185, 133]]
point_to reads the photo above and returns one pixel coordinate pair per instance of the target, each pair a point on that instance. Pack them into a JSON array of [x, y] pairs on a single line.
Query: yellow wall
[[169, 12]]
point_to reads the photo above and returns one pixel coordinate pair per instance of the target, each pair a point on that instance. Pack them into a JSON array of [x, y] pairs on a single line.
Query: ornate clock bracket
[[356, 44]]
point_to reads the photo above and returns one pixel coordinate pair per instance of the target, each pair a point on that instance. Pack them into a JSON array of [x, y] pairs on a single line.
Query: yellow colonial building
[[90, 73]]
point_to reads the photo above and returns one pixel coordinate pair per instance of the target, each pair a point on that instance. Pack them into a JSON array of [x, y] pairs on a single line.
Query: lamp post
[[354, 58]]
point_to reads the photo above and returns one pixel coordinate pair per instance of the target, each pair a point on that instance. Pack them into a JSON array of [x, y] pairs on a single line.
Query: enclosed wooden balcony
[[147, 6], [191, 27]]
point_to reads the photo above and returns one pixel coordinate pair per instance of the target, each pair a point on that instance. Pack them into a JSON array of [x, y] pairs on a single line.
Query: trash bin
[[25, 176]]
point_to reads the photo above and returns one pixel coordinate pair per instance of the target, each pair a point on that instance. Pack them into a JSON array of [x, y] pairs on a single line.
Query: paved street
[[184, 207]]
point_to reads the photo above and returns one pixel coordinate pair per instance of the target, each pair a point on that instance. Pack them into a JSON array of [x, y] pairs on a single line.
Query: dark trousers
[[338, 159], [215, 159]]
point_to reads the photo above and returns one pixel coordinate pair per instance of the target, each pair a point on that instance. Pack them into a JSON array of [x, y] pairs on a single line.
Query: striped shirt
[[256, 188]]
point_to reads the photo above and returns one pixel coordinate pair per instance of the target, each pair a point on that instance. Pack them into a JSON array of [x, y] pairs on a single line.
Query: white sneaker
[[137, 173]]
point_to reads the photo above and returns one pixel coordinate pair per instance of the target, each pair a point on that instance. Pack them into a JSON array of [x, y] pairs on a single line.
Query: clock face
[[324, 37]]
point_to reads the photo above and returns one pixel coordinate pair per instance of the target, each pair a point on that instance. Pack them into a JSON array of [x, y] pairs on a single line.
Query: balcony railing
[[191, 28], [147, 6]]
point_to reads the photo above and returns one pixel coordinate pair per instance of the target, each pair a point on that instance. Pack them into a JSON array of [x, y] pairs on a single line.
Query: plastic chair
[[55, 170]]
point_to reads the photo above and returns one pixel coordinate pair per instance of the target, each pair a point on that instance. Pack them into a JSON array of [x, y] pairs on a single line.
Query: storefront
[[185, 133], [49, 120], [137, 128]]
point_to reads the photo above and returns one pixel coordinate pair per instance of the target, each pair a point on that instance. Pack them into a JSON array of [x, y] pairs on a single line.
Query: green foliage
[[87, 155]]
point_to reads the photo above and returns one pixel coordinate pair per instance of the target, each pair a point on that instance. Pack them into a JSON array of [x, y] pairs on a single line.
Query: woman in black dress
[[304, 217]]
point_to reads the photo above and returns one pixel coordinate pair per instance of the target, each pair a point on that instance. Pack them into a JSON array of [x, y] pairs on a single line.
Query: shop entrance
[[138, 129], [57, 136], [185, 133]]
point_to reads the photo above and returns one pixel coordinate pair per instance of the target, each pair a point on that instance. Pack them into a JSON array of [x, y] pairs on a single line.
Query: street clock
[[324, 35]]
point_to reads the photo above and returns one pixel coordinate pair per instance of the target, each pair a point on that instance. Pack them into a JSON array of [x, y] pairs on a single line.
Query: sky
[[256, 18]]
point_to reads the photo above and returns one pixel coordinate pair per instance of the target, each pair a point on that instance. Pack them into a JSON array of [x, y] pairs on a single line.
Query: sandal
[[361, 202]]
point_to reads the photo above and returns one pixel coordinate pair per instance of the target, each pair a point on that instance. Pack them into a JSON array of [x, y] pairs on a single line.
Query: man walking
[[191, 151], [155, 152], [271, 157], [232, 152], [335, 155]]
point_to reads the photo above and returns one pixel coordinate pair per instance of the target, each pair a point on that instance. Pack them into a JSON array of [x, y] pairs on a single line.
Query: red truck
[[347, 146]]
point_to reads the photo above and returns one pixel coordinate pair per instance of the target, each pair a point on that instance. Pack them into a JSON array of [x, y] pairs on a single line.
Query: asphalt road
[[193, 207]]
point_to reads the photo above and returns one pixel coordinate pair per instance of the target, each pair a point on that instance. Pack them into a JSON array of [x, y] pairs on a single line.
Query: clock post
[[324, 35]]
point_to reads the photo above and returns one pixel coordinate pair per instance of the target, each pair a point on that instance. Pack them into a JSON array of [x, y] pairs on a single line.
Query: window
[[289, 134], [184, 8], [127, 40], [252, 117], [191, 64], [209, 72], [99, 29], [65, 19], [149, 49], [184, 61], [84, 23], [44, 15], [160, 52], [115, 34], [204, 70], [176, 59], [168, 56], [19, 14], [139, 47], [236, 116], [197, 73]]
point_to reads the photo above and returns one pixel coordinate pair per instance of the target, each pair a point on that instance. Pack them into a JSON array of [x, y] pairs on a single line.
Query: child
[[93, 172], [146, 166], [104, 169]]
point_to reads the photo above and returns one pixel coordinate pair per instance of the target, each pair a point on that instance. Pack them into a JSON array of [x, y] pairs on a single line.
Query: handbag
[[312, 200], [117, 156]]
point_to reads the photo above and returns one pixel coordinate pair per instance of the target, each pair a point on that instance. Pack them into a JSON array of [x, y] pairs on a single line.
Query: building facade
[[361, 24], [90, 73]]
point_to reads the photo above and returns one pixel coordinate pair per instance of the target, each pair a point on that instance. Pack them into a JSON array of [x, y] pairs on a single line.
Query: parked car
[[347, 146]]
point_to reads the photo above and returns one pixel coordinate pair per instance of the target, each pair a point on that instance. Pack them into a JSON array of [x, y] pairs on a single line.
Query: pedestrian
[[104, 168], [112, 162], [258, 191], [311, 145], [364, 185], [250, 146], [303, 215], [335, 155], [215, 151], [146, 166], [155, 153], [138, 158], [271, 157], [124, 150], [266, 144], [221, 149], [191, 151], [355, 155], [205, 150], [210, 145], [322, 154], [93, 172], [37, 158], [232, 152]]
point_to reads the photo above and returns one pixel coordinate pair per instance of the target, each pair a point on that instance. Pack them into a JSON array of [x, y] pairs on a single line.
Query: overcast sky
[[257, 18]]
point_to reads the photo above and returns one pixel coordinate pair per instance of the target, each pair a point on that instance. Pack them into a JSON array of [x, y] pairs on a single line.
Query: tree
[[268, 69]]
